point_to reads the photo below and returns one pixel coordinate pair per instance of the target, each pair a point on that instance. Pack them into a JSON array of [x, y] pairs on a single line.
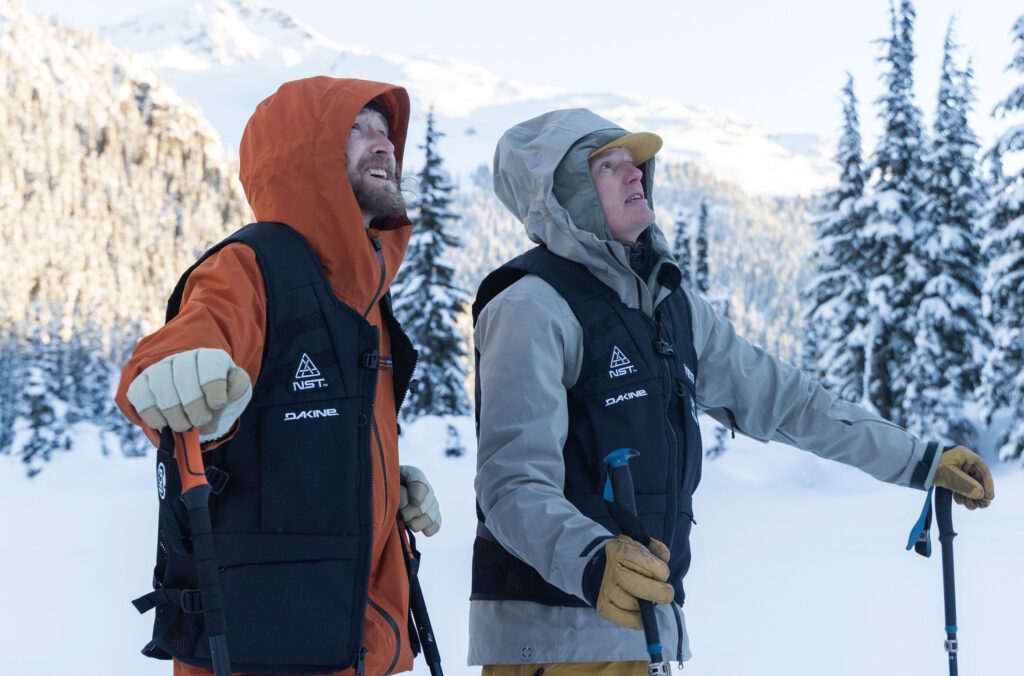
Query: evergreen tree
[[683, 249], [702, 276], [891, 217], [428, 301], [10, 379], [835, 318], [40, 415], [1003, 224], [950, 339]]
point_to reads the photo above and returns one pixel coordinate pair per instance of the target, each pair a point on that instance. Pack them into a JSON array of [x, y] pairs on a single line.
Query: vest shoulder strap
[[571, 280], [285, 258]]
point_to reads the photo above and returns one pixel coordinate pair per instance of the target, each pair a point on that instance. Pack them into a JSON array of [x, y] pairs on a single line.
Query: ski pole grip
[[189, 455], [620, 495]]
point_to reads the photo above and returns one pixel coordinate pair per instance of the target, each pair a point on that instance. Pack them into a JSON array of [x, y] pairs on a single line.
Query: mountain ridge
[[229, 54]]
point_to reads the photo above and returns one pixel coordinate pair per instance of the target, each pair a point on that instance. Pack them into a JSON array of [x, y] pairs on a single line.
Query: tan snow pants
[[638, 668]]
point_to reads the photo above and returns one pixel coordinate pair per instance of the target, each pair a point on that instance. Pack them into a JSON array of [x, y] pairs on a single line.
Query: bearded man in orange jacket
[[281, 348]]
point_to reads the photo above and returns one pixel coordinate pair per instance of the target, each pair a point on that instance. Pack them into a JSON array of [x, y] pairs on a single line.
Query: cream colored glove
[[417, 502], [966, 474], [200, 388], [632, 572]]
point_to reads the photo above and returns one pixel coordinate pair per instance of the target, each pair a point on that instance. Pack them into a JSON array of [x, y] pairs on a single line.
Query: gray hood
[[542, 175]]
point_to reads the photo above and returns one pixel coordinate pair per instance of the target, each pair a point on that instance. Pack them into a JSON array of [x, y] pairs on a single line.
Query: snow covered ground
[[799, 567]]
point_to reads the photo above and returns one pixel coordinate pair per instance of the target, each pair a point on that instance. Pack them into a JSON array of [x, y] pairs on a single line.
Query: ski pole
[[944, 517], [418, 606], [195, 493], [920, 541], [619, 493]]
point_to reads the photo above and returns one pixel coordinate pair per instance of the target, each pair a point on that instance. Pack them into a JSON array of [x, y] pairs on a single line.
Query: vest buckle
[[376, 361], [217, 478], [191, 601], [664, 347]]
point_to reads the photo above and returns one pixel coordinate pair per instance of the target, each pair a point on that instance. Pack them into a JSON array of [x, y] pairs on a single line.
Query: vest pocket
[[621, 417], [315, 469], [291, 601]]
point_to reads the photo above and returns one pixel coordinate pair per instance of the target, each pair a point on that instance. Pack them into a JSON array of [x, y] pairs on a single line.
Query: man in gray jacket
[[590, 343]]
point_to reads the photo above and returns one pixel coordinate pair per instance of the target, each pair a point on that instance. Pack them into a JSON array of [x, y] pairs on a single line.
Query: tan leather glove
[[963, 472], [197, 388], [632, 572]]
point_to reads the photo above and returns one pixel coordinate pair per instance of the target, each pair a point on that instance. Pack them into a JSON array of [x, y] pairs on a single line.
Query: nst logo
[[620, 364], [311, 413], [311, 384], [307, 376]]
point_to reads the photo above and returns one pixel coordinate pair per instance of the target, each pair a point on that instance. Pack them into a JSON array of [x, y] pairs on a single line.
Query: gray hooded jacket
[[530, 346]]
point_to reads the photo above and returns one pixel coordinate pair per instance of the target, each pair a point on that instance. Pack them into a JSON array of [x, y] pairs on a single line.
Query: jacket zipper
[[373, 426], [360, 662], [674, 471], [373, 418], [380, 284], [394, 628], [679, 636], [398, 404], [380, 452]]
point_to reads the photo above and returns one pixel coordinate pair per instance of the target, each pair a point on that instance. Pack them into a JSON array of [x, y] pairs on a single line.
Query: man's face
[[621, 193], [371, 167]]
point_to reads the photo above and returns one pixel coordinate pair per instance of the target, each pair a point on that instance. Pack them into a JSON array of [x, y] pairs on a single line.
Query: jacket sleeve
[[743, 386], [224, 305], [530, 346]]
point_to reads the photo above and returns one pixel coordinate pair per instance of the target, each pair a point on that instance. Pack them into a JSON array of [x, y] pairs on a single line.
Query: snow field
[[799, 566]]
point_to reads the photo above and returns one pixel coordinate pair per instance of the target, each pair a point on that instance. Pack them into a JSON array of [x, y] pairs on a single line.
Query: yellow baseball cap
[[643, 145]]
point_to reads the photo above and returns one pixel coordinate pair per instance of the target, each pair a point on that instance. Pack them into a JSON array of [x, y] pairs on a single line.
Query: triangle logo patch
[[619, 359], [307, 369]]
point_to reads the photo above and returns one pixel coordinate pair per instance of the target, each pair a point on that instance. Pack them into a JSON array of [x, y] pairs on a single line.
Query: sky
[[780, 63]]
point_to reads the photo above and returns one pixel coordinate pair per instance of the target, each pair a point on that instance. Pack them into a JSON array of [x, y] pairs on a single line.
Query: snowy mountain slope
[[106, 173], [110, 185], [230, 54], [238, 51]]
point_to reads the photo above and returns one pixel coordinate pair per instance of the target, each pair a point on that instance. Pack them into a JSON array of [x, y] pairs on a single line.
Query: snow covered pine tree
[[950, 339], [836, 301], [682, 251], [891, 217], [427, 298], [1004, 249], [702, 273]]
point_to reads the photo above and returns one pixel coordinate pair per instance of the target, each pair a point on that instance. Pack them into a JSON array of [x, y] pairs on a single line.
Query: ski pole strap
[[920, 535], [188, 600]]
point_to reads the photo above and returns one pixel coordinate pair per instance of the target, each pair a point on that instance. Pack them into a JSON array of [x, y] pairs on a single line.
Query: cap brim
[[643, 145]]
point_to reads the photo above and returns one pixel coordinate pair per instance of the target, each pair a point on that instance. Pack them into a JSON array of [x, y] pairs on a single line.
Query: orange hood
[[292, 158]]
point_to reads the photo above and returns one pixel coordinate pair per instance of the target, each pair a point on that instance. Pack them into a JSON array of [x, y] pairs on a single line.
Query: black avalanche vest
[[291, 510], [636, 389]]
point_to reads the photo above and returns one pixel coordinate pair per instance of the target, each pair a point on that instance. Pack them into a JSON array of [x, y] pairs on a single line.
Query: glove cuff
[[592, 576]]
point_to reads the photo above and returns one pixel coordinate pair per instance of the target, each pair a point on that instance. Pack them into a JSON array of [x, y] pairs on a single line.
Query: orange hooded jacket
[[292, 158]]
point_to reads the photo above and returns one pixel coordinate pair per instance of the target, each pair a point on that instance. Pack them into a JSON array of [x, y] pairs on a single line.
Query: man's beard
[[380, 199]]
